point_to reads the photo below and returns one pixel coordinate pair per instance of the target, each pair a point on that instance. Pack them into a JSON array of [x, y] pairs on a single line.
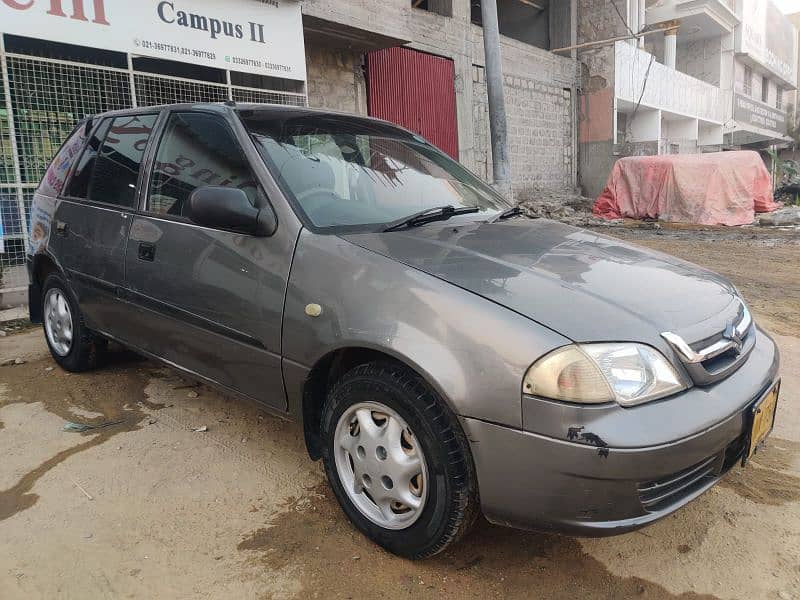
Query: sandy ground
[[148, 508]]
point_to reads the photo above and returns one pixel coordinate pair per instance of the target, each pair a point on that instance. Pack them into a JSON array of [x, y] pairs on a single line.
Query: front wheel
[[398, 461]]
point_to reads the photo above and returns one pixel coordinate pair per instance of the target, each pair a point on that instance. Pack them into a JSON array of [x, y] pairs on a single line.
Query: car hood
[[586, 286]]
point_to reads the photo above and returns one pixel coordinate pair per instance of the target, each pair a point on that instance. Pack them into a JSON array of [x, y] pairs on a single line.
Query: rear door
[[91, 223], [207, 300]]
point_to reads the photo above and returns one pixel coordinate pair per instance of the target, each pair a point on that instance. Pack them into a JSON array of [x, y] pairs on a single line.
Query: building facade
[[416, 62], [713, 75], [344, 38]]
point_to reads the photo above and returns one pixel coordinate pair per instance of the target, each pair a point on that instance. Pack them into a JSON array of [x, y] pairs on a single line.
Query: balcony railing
[[639, 76]]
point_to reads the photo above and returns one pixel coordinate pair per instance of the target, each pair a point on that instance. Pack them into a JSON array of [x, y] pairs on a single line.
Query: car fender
[[472, 351]]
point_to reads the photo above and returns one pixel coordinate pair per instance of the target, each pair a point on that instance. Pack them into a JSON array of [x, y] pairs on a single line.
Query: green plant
[[787, 172], [784, 169], [793, 127]]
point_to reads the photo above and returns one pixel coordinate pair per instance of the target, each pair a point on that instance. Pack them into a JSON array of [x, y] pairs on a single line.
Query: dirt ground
[[149, 508]]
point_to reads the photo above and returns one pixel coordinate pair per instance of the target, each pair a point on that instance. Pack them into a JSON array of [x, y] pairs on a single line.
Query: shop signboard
[[263, 37], [768, 38], [750, 112]]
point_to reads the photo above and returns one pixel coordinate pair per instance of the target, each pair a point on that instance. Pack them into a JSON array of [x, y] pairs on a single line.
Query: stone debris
[[566, 206], [10, 362], [787, 216]]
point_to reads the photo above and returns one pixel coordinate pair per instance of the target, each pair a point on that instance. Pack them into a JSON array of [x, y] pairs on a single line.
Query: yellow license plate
[[763, 419]]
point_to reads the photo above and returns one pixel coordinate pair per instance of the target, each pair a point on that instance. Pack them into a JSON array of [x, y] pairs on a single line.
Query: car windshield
[[354, 173]]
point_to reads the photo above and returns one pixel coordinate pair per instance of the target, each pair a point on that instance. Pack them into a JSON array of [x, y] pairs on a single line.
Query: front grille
[[658, 494], [672, 489], [716, 357]]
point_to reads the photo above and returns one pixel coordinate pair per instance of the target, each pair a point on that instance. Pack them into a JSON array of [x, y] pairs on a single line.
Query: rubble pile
[[783, 217], [567, 206]]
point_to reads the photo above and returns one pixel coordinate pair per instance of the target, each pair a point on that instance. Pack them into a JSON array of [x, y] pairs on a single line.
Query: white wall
[[701, 59], [666, 88]]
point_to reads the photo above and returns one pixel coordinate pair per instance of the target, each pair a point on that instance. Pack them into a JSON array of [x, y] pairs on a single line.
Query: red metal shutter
[[417, 91]]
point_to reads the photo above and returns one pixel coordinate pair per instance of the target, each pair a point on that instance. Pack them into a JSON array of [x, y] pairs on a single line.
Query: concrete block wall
[[542, 134], [336, 79]]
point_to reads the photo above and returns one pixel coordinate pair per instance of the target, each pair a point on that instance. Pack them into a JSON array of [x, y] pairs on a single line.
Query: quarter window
[[197, 150], [53, 181]]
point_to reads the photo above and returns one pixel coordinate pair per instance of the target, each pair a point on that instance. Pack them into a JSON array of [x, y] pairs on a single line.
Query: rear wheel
[[398, 461], [71, 344]]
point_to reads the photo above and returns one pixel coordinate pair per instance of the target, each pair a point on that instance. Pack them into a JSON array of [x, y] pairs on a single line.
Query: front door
[[91, 222], [208, 300]]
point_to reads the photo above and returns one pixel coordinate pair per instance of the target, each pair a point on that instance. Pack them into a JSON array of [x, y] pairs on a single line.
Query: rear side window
[[112, 166], [120, 160], [197, 150], [53, 181], [79, 184]]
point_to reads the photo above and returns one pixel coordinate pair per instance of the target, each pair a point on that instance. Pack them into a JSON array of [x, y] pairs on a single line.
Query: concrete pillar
[[498, 124], [642, 21], [670, 47]]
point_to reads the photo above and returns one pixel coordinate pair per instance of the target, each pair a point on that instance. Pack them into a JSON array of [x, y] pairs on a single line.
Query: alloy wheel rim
[[58, 322], [381, 465]]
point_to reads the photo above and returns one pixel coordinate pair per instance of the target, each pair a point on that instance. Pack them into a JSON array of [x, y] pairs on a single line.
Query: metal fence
[[41, 99]]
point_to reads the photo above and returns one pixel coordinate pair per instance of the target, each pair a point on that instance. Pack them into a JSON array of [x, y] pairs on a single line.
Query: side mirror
[[229, 208]]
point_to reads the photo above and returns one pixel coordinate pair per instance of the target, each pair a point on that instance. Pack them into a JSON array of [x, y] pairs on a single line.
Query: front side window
[[345, 172], [197, 150]]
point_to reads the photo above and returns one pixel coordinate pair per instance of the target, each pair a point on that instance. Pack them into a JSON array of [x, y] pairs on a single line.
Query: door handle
[[147, 251], [62, 228]]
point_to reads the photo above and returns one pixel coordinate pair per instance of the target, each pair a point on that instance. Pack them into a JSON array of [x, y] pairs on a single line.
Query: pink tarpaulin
[[719, 188]]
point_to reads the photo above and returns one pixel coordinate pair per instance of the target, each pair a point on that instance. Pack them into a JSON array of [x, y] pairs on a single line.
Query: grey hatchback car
[[445, 355]]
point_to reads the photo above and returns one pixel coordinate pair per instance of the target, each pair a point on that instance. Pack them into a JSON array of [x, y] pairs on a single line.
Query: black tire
[[452, 504], [87, 347]]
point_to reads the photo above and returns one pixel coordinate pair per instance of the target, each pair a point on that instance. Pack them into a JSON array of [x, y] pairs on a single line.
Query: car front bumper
[[534, 481]]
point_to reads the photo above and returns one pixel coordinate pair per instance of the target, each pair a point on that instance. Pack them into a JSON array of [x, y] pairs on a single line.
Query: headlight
[[595, 373]]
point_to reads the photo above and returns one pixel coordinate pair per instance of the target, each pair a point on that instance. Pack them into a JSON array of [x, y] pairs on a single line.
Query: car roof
[[278, 111]]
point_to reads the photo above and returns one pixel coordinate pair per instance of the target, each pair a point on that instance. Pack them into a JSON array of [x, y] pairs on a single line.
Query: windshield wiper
[[514, 211], [429, 215]]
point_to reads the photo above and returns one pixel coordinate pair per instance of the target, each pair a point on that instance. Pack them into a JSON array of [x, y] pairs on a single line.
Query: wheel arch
[[42, 265], [329, 369]]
